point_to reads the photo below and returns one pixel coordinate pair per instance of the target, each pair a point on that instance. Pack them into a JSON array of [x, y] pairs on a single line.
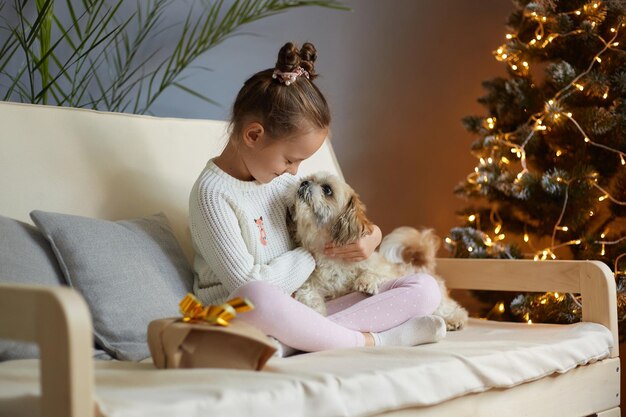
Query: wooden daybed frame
[[58, 319]]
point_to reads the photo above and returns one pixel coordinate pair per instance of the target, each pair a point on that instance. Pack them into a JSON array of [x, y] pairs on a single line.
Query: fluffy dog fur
[[326, 209]]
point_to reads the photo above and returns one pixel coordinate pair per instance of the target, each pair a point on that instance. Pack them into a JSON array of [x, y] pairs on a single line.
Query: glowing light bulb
[[556, 295], [497, 229], [526, 238], [605, 95], [621, 157], [514, 67], [598, 59], [470, 249], [590, 213], [501, 236], [506, 161], [580, 87], [448, 240], [559, 153], [602, 252], [615, 43], [509, 36], [587, 139], [501, 307], [471, 218], [602, 198]]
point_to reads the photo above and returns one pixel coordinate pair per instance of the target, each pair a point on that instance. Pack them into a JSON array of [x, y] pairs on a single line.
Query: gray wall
[[399, 76]]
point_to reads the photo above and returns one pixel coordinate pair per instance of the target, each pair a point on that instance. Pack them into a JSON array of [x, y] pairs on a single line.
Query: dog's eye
[[327, 190]]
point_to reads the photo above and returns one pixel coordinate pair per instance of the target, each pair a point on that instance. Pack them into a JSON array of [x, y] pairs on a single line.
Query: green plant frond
[[7, 50], [196, 94], [75, 58], [215, 29], [97, 50], [201, 67], [74, 18], [16, 83], [42, 15]]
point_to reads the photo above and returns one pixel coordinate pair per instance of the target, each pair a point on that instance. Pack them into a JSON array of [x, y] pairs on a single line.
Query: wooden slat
[[592, 279], [510, 275]]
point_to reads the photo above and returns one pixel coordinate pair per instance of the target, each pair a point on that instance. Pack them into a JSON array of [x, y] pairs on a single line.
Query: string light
[[554, 113]]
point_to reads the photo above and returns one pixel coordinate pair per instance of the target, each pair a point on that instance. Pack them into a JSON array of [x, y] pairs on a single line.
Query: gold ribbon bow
[[193, 310]]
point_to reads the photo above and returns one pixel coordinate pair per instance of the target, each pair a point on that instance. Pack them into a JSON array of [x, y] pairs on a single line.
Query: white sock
[[415, 331]]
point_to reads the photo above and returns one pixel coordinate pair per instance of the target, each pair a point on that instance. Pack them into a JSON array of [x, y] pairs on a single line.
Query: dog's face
[[326, 208]]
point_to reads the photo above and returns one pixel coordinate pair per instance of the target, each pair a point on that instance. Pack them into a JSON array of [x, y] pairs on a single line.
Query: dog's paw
[[457, 319], [365, 285], [455, 316], [311, 300]]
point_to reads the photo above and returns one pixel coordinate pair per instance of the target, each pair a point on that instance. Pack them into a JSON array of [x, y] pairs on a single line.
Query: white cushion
[[361, 381]]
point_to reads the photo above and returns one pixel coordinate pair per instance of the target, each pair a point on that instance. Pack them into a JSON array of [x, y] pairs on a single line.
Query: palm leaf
[[96, 60], [210, 30]]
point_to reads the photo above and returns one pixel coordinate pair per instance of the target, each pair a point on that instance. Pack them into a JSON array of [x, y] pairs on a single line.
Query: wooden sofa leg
[[58, 320]]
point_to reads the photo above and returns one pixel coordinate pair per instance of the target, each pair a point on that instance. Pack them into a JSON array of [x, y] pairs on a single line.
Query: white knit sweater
[[239, 233]]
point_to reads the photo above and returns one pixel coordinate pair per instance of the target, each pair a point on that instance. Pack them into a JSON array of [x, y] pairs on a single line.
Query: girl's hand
[[357, 251]]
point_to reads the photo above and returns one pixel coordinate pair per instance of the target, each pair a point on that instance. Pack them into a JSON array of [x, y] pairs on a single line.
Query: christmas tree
[[550, 182]]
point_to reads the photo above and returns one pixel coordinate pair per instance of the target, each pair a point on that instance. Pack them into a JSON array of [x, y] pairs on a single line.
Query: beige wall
[[399, 76]]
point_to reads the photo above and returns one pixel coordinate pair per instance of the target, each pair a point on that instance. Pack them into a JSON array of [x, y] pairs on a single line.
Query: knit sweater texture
[[239, 233]]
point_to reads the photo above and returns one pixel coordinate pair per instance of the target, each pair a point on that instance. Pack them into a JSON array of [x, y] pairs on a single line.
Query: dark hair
[[282, 109]]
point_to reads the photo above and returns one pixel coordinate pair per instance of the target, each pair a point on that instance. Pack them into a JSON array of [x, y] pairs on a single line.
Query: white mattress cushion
[[355, 382]]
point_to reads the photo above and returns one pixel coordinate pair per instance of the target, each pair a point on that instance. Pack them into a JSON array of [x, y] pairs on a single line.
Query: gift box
[[211, 338]]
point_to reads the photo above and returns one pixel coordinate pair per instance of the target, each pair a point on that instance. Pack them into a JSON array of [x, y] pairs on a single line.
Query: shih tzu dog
[[325, 209]]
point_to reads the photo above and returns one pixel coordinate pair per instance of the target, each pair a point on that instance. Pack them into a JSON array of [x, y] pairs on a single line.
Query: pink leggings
[[296, 325]]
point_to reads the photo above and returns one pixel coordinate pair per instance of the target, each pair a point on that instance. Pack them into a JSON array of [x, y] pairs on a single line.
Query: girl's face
[[270, 157]]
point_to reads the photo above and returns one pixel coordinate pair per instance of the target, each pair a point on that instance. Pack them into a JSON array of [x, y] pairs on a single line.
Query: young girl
[[237, 211]]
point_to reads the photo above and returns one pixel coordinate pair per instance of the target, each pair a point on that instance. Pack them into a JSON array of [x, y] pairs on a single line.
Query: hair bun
[[289, 58]]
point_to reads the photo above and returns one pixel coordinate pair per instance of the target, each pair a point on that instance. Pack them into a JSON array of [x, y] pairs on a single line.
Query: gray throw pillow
[[25, 258], [130, 272]]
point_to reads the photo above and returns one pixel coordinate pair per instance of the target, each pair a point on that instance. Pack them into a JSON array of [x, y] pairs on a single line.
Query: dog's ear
[[291, 224], [352, 224]]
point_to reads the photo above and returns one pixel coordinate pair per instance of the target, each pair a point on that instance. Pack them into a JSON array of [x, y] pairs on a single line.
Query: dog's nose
[[304, 184]]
